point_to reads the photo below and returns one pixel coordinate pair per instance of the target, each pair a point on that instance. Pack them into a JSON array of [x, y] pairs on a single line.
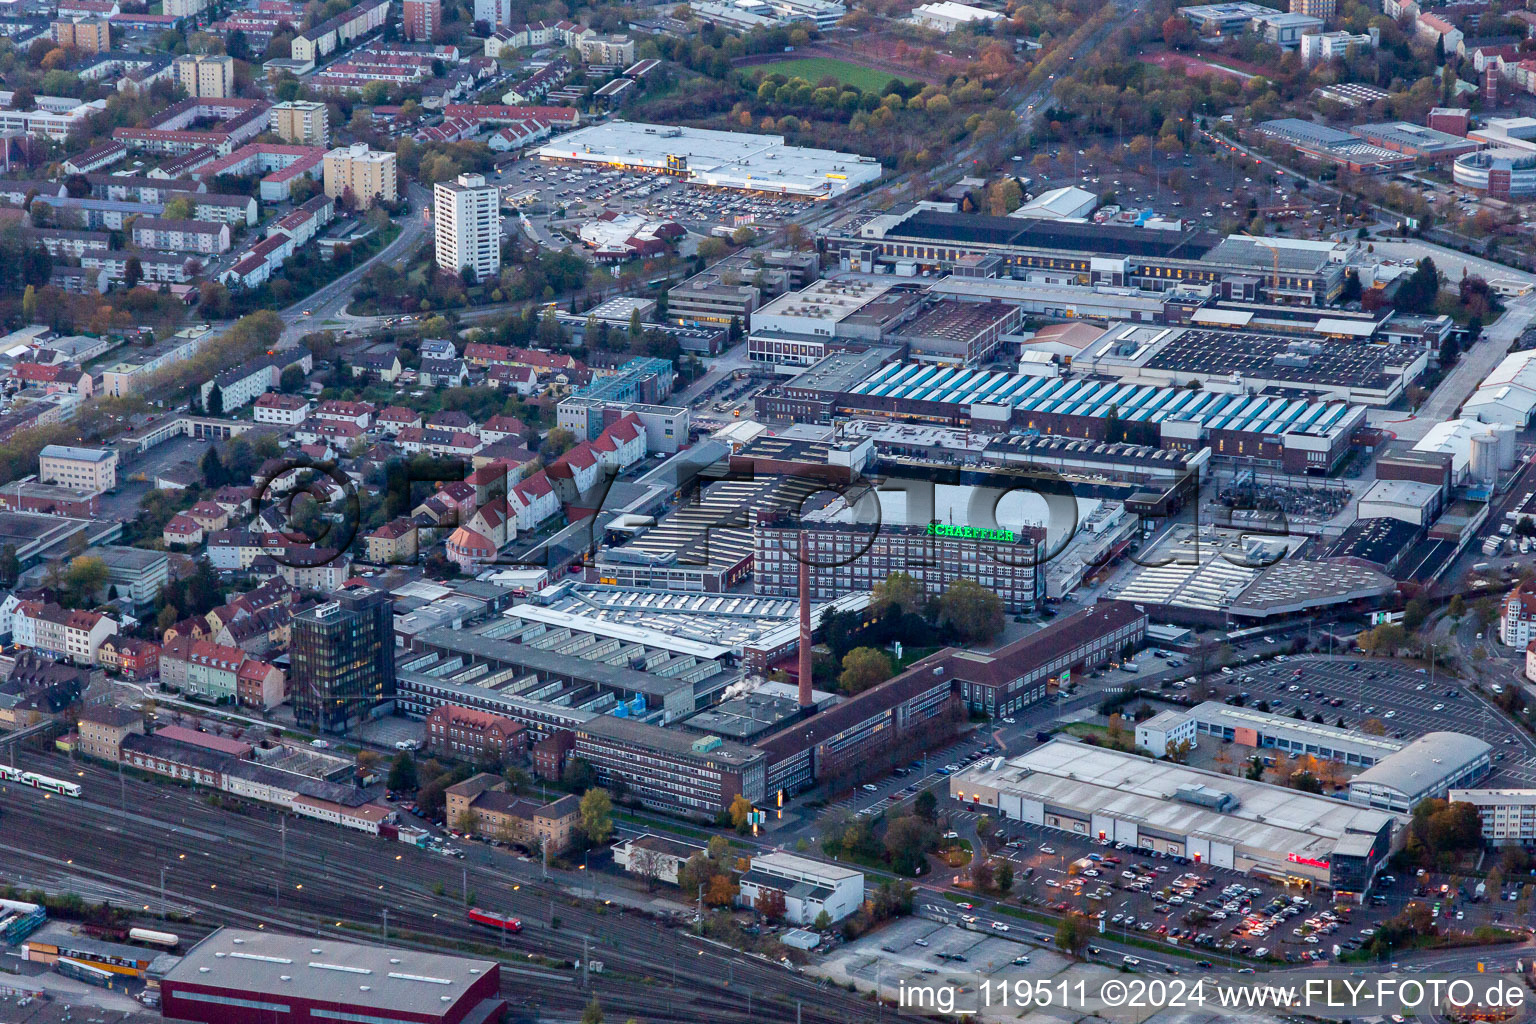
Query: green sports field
[[814, 69]]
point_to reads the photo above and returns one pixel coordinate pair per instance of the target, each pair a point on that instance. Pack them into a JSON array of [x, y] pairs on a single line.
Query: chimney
[[805, 625]]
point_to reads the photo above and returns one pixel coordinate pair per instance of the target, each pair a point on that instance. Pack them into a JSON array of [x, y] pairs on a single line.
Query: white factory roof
[[725, 159], [1428, 760], [1132, 788], [825, 300], [1215, 712], [1508, 393], [1067, 203], [1455, 437], [706, 626], [398, 981], [1405, 493], [1488, 797], [788, 862], [948, 10]]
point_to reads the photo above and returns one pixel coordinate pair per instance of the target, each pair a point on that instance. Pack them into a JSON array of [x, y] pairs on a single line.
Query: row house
[[415, 440], [307, 221], [263, 259], [67, 634], [309, 568], [340, 434], [181, 235], [154, 267], [54, 377], [393, 419], [221, 673], [557, 366], [236, 211], [359, 414], [237, 550], [66, 242], [129, 657], [141, 189]]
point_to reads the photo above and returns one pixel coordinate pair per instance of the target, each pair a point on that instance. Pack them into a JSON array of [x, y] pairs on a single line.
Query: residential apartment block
[[361, 173]]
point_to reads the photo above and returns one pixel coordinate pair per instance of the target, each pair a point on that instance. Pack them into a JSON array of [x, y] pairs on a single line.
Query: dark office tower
[[343, 661]]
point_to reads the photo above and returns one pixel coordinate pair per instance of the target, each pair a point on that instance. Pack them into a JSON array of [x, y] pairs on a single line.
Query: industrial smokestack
[[805, 625]]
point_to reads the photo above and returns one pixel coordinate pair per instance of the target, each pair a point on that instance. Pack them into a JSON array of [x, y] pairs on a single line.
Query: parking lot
[[1223, 914], [588, 191], [1406, 702]]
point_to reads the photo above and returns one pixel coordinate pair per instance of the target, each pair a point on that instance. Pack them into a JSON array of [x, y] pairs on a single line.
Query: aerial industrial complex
[[702, 512]]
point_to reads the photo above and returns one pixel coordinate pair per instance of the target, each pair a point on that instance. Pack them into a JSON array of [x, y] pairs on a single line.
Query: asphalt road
[[330, 302], [237, 867]]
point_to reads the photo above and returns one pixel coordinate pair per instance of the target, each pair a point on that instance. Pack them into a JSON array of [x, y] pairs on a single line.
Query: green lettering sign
[[971, 533]]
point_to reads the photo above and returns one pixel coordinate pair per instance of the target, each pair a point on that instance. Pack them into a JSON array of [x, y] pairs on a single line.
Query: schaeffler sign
[[971, 533]]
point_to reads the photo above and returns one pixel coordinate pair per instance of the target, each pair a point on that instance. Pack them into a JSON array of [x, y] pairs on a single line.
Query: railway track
[[243, 869]]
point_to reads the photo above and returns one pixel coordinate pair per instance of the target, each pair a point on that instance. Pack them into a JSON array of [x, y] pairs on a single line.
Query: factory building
[[1428, 768], [1297, 434], [1249, 827], [1280, 270], [238, 976]]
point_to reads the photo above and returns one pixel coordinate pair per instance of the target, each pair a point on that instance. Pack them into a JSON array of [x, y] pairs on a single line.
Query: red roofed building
[[359, 413], [55, 377], [533, 501], [183, 531], [394, 418], [469, 550], [502, 425], [500, 113], [284, 410], [465, 734]]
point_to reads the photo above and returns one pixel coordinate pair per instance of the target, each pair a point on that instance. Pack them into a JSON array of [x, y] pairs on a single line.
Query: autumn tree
[[864, 667], [1072, 934], [770, 903], [970, 611], [721, 891], [596, 816], [901, 591], [1004, 196], [741, 813], [646, 863]]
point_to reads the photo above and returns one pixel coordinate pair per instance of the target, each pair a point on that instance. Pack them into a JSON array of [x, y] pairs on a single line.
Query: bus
[[490, 920], [43, 782]]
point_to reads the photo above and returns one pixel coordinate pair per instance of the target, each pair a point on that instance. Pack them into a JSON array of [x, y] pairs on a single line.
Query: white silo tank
[[1506, 433], [1484, 467]]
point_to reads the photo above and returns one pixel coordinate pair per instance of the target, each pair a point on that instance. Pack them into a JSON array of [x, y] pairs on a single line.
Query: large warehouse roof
[[724, 159], [1032, 233], [1132, 788], [1424, 763], [401, 981], [1090, 398]]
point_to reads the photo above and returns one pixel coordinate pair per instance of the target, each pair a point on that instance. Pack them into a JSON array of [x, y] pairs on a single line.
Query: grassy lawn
[[814, 69], [1101, 734]]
